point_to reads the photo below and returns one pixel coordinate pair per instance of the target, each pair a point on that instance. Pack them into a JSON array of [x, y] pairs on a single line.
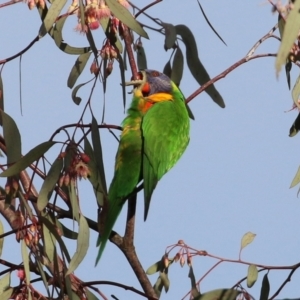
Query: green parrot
[[155, 135]]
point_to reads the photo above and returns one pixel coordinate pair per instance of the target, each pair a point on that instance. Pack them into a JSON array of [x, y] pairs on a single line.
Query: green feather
[[152, 141]]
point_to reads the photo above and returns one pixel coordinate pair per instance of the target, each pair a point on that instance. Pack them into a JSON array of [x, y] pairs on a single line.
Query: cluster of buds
[[108, 51], [94, 12], [33, 3], [30, 234], [78, 168]]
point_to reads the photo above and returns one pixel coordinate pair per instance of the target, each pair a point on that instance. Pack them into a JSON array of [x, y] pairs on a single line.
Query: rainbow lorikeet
[[155, 135]]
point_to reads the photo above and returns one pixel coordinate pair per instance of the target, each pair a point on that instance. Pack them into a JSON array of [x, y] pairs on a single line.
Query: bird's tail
[[113, 211]]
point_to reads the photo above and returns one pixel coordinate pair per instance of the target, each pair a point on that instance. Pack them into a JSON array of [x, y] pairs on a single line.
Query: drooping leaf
[[94, 178], [141, 58], [252, 275], [158, 286], [25, 259], [7, 293], [12, 138], [78, 68], [28, 159], [295, 127], [43, 275], [219, 294], [290, 33], [122, 13], [265, 288], [194, 290], [98, 153], [122, 73], [1, 98], [170, 35], [82, 245], [168, 69], [74, 200], [156, 267], [53, 12], [49, 184], [76, 99], [91, 41], [52, 228], [296, 92], [66, 232], [165, 280], [296, 179], [56, 34], [209, 24], [1, 239], [177, 68], [288, 68], [90, 295], [4, 283], [49, 239], [196, 67], [247, 239]]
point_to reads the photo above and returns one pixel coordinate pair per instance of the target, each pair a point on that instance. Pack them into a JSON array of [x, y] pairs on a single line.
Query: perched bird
[[155, 135]]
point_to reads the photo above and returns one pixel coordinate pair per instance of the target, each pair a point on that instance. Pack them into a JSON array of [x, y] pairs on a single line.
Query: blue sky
[[233, 178]]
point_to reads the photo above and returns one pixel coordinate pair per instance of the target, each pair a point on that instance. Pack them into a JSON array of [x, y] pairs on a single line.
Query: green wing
[[165, 129]]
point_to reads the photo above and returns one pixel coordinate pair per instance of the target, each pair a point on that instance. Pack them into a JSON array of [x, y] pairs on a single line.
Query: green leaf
[[194, 290], [91, 41], [49, 184], [219, 294], [165, 281], [296, 179], [90, 295], [56, 34], [158, 286], [43, 275], [12, 138], [247, 239], [265, 288], [196, 67], [76, 99], [154, 268], [53, 230], [1, 239], [28, 159], [82, 245], [122, 13], [66, 232], [252, 275], [170, 35], [122, 73], [4, 283], [295, 127], [98, 154], [177, 68], [296, 92], [49, 240], [78, 68], [290, 33], [141, 58], [94, 178], [209, 24], [1, 98], [7, 293], [51, 16], [74, 200], [25, 259], [168, 69]]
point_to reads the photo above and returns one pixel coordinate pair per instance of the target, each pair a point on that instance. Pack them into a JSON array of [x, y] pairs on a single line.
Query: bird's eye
[[155, 74]]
